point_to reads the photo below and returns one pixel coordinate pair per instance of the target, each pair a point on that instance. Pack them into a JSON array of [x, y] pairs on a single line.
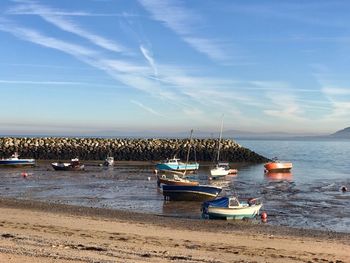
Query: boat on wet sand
[[175, 180], [231, 208], [109, 161], [278, 166], [175, 164], [190, 193], [15, 161], [221, 169], [74, 165]]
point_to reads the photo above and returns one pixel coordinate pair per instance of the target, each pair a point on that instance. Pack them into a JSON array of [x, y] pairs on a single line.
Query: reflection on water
[[303, 198], [279, 176]]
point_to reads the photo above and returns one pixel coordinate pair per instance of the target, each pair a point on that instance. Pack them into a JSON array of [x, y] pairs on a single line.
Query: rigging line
[[222, 124], [188, 152]]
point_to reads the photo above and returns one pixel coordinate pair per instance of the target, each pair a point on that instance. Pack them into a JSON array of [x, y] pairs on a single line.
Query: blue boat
[[15, 161], [231, 208], [175, 164], [190, 192]]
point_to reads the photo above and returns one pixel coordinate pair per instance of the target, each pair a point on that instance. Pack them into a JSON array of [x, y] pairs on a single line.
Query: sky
[[87, 66]]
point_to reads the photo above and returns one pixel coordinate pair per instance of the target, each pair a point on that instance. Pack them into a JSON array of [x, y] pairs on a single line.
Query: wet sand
[[32, 231]]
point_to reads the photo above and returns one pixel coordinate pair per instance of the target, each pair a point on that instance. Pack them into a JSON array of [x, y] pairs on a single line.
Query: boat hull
[[190, 193], [177, 167], [20, 162], [278, 166], [67, 167], [232, 213], [169, 181], [218, 172]]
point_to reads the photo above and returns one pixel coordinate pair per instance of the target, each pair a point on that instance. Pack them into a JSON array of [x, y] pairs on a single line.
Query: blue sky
[[89, 65]]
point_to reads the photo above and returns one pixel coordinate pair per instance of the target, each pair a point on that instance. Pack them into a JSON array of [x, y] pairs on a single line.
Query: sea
[[310, 196]]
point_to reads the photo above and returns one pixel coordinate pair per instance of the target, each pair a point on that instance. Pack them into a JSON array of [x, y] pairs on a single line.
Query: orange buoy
[[264, 216]]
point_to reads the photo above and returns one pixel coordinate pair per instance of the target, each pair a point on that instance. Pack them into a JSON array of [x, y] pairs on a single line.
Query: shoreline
[[200, 224], [32, 231]]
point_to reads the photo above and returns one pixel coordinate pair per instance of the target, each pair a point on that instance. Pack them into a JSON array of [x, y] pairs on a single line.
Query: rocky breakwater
[[125, 149]]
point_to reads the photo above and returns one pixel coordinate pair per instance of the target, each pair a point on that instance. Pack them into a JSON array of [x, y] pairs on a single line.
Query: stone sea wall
[[125, 149]]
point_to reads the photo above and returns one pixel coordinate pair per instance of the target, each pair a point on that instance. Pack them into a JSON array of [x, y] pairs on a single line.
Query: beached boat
[[230, 208], [74, 165], [109, 161], [175, 164], [190, 192], [15, 161], [175, 180], [221, 169], [278, 166]]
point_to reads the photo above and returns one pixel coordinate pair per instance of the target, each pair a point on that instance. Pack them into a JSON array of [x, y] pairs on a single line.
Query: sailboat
[[178, 175], [221, 169], [175, 164]]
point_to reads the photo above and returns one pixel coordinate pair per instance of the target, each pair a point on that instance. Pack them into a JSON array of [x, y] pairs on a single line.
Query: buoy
[[343, 188], [24, 174], [155, 171], [264, 216], [149, 178]]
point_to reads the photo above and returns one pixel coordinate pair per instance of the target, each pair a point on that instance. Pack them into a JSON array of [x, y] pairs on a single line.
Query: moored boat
[[15, 161], [109, 161], [175, 164], [175, 180], [231, 208], [221, 170], [74, 165], [190, 193], [278, 166]]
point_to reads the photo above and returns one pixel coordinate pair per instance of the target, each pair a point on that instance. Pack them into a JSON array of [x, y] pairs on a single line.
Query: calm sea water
[[309, 197]]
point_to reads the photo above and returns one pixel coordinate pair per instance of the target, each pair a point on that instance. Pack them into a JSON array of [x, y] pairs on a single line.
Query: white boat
[[109, 161], [221, 169], [231, 208], [15, 161]]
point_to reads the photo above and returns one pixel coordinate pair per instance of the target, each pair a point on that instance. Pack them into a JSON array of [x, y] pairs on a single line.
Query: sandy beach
[[41, 232]]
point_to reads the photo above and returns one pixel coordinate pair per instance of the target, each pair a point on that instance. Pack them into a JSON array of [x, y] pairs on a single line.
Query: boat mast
[[218, 156], [188, 151]]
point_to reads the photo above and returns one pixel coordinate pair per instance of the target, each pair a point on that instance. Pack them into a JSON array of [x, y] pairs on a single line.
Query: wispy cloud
[[183, 22], [148, 109], [339, 99], [40, 39], [40, 82], [52, 16], [24, 10], [149, 57], [296, 12]]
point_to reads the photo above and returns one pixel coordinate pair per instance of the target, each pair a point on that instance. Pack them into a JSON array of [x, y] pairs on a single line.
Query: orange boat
[[278, 166]]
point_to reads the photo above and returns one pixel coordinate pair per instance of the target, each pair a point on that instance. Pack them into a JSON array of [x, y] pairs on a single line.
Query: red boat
[[278, 166]]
